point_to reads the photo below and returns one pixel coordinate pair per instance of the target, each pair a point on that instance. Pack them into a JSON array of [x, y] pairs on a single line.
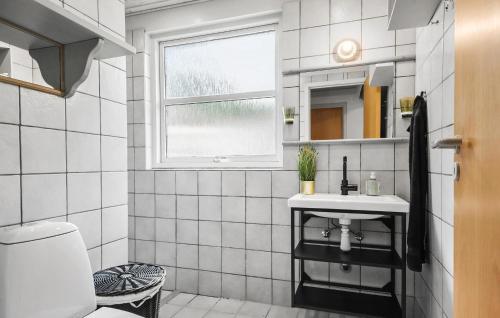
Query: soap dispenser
[[372, 185]]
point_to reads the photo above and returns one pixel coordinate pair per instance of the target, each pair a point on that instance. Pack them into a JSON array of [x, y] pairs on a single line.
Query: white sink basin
[[352, 202]]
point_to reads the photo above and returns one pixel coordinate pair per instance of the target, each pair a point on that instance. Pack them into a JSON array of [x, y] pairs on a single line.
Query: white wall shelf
[[347, 141], [82, 41], [344, 66], [404, 14]]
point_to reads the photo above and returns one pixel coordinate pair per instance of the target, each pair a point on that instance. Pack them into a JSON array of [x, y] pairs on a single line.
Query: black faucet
[[345, 187]]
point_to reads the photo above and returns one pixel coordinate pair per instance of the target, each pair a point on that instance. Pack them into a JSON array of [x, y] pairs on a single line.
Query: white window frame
[[236, 162]]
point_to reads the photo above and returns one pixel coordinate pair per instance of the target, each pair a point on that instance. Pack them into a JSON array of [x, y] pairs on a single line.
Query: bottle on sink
[[372, 185]]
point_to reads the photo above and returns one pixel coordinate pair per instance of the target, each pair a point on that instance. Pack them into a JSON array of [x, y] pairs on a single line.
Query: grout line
[[63, 172], [176, 228], [271, 238], [66, 130], [220, 267], [245, 238], [100, 154], [198, 223], [66, 155], [20, 159]]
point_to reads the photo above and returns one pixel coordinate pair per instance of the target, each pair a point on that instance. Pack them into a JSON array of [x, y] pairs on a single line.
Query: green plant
[[289, 112], [307, 163]]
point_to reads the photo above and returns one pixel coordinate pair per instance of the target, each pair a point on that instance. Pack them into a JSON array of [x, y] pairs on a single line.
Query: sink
[[356, 202], [352, 202]]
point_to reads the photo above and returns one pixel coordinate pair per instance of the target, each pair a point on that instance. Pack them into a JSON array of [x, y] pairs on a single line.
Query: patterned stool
[[135, 288]]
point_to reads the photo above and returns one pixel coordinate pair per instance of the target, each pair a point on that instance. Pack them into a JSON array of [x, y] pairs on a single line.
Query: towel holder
[[423, 94], [448, 143]]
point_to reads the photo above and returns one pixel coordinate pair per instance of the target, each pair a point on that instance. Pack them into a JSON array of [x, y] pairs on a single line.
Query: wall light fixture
[[347, 50]]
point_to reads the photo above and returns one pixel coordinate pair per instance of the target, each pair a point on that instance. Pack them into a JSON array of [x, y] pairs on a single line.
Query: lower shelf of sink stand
[[356, 256], [345, 302], [362, 301]]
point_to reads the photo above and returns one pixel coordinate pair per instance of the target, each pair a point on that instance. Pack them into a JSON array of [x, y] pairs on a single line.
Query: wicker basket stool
[[135, 288]]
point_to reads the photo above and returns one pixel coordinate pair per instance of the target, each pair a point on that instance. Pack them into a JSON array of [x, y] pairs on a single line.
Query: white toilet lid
[[106, 312]]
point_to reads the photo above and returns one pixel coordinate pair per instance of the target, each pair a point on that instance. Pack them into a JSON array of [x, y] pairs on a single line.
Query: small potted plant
[[289, 115], [307, 168]]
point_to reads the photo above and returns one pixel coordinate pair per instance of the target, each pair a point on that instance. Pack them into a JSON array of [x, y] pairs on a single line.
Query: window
[[219, 100]]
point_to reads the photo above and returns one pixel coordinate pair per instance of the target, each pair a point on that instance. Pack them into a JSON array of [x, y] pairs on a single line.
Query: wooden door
[[372, 110], [327, 123], [477, 193]]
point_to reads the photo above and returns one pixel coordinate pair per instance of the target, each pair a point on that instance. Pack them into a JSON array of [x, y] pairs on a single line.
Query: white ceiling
[[141, 6]]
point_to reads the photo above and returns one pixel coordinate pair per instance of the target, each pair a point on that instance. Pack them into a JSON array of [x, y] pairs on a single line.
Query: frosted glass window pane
[[228, 128], [233, 65]]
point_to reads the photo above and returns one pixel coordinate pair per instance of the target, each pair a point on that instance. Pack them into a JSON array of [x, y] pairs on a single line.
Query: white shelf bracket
[[50, 66], [77, 63], [78, 59]]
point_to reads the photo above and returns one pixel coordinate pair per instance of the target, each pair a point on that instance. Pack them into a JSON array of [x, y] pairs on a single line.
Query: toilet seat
[[106, 312]]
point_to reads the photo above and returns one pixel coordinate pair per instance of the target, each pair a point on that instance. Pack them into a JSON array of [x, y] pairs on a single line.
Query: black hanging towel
[[418, 160]]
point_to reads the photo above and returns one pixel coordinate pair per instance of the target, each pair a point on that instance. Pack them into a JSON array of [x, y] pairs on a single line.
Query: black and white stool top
[[127, 279]]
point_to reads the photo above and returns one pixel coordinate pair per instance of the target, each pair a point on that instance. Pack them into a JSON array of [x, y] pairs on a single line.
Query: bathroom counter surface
[[352, 202]]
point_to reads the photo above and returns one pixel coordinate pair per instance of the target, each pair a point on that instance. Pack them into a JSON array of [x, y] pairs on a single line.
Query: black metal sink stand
[[363, 301]]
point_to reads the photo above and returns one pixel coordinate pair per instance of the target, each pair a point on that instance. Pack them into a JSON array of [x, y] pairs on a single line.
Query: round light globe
[[347, 50]]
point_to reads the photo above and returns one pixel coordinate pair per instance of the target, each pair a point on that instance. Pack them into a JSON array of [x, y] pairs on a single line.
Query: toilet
[[45, 273]]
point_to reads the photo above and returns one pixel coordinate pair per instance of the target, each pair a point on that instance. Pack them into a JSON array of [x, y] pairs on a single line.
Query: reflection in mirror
[[351, 103], [20, 53], [351, 111]]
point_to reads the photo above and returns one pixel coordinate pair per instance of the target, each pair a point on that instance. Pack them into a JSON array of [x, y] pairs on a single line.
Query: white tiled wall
[[226, 233], [65, 159], [435, 75]]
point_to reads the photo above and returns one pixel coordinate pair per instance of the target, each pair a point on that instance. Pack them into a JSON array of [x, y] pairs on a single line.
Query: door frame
[[327, 84]]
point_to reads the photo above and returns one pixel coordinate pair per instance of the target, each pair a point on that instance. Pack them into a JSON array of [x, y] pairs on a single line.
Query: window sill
[[240, 165]]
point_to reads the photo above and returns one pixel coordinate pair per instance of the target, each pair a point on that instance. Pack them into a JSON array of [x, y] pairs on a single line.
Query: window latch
[[219, 159]]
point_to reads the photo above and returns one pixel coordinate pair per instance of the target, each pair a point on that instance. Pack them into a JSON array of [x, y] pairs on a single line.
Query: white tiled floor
[[192, 306]]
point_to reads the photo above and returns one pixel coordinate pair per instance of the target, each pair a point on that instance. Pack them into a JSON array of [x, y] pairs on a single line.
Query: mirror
[[20, 53], [351, 103]]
